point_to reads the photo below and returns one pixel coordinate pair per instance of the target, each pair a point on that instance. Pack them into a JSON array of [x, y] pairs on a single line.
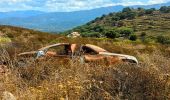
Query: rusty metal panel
[[95, 48], [54, 45]]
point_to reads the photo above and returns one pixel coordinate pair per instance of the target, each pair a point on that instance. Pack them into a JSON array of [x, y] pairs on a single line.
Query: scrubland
[[56, 79]]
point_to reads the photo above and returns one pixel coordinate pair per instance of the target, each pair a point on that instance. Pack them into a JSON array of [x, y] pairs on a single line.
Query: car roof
[[53, 45], [95, 48]]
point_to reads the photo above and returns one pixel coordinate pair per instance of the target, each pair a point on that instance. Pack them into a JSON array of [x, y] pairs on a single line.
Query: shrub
[[4, 39], [131, 15], [111, 34], [150, 11], [125, 31], [143, 36], [91, 34], [164, 9], [127, 9], [133, 37], [163, 39]]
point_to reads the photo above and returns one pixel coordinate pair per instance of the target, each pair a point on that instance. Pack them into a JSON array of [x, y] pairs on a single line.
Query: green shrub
[[125, 31], [163, 39], [111, 34], [133, 37], [127, 9], [4, 39], [164, 9], [150, 11], [91, 34]]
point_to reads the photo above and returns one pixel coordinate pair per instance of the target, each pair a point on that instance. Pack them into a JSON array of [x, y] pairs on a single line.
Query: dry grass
[[54, 79]]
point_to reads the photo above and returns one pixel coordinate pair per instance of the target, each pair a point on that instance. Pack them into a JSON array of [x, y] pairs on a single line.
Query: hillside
[[24, 39], [151, 23]]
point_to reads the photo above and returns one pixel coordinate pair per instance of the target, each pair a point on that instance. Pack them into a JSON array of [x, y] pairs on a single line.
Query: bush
[[4, 39], [91, 34], [143, 36], [163, 39], [164, 9], [111, 34], [127, 9], [131, 15], [125, 32], [150, 11], [133, 37]]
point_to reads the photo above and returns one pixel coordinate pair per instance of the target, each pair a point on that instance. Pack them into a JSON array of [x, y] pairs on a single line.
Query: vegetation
[[163, 39], [4, 39], [129, 21], [133, 37], [165, 9], [69, 79]]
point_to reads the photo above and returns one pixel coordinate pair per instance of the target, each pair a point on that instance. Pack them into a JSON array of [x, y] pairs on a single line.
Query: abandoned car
[[86, 53]]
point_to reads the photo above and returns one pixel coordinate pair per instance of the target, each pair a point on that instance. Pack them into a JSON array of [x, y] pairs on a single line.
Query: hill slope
[[25, 39], [150, 22]]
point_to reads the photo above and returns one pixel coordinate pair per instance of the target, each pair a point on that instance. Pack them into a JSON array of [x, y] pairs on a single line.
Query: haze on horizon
[[68, 5]]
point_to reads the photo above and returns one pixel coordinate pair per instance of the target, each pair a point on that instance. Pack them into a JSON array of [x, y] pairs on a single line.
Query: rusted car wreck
[[85, 53]]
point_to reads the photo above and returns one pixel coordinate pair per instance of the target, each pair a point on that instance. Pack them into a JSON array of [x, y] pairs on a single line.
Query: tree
[[98, 28], [111, 34], [133, 37], [90, 34], [143, 35], [103, 16], [125, 32], [131, 15], [150, 11], [127, 9], [120, 15], [141, 11], [163, 39], [164, 9], [115, 18]]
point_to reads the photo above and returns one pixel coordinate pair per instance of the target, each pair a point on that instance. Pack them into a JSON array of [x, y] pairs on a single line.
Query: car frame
[[86, 53]]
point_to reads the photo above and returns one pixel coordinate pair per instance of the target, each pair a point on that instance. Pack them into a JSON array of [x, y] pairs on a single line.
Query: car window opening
[[87, 50]]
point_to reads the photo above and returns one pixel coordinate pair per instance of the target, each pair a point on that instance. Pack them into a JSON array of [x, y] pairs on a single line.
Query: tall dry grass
[[55, 79]]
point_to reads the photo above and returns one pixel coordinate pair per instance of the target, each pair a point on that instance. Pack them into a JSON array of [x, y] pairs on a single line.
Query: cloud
[[72, 5], [157, 1], [68, 5]]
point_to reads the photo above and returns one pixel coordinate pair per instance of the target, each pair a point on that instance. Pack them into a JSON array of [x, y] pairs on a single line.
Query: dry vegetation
[[54, 79]]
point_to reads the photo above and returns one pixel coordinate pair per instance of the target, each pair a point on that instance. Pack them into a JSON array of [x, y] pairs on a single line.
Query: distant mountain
[[58, 21], [20, 14]]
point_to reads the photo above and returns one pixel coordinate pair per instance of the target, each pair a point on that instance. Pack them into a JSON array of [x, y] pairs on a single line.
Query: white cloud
[[68, 5], [157, 1], [13, 1]]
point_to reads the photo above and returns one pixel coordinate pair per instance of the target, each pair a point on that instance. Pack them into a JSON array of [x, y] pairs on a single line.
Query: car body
[[86, 53]]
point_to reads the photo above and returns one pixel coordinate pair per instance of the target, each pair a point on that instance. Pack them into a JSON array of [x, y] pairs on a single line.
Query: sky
[[68, 5]]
